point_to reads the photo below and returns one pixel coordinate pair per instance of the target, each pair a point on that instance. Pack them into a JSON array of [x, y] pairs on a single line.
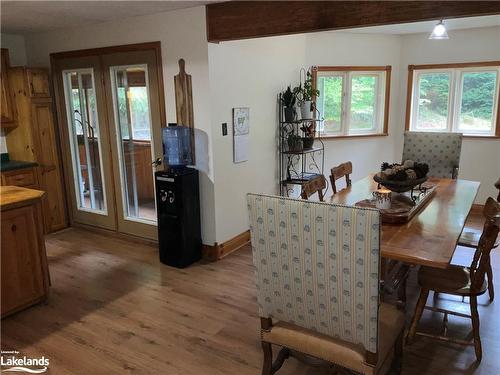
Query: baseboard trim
[[219, 251]]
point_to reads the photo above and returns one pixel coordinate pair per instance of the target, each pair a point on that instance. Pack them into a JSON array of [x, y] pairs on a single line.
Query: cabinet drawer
[[23, 177]]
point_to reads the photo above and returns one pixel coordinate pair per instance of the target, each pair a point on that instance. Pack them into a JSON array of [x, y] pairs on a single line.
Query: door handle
[[156, 162]]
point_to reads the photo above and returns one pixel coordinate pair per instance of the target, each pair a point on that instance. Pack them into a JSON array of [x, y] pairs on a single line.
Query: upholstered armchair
[[441, 151], [317, 278]]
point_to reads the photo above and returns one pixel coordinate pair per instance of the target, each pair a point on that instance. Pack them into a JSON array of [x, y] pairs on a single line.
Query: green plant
[[306, 92], [309, 129], [288, 98], [294, 141]]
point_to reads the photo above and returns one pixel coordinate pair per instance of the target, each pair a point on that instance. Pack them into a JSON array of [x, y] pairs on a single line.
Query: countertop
[[15, 196], [11, 165]]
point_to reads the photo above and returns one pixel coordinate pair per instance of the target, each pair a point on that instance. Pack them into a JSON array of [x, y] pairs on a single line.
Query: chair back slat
[[342, 170], [481, 260], [317, 266], [315, 185], [440, 150]]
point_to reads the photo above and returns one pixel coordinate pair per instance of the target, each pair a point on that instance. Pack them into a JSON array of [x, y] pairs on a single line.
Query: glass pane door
[[132, 115], [85, 140]]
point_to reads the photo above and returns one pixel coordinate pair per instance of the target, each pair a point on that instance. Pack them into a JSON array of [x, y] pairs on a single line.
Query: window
[[353, 101], [456, 98]]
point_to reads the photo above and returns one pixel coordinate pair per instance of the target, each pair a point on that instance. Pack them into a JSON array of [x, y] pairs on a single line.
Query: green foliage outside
[[478, 90], [362, 106]]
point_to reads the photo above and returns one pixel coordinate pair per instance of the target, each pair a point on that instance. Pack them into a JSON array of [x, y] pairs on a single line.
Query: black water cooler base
[[179, 227]]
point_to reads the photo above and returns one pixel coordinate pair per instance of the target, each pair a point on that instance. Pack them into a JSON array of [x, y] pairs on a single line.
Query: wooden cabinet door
[[38, 83], [50, 177], [22, 275], [8, 110]]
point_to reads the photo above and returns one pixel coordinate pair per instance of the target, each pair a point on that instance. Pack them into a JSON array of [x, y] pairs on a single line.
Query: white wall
[[251, 73], [480, 158], [182, 35], [17, 49]]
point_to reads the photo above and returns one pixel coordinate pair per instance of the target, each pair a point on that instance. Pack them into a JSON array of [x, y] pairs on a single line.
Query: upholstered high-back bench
[[317, 278]]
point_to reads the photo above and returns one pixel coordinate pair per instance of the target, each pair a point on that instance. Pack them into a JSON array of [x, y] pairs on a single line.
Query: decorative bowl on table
[[402, 177]]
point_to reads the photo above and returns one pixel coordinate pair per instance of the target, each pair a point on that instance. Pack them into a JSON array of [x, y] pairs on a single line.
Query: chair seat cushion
[[470, 238], [453, 280], [342, 353]]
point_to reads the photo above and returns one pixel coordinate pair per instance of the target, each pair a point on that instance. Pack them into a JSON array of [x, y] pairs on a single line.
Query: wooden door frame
[[60, 106], [155, 46]]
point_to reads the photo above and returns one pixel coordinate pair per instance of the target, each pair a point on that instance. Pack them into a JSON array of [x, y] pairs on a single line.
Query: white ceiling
[[427, 26], [22, 17]]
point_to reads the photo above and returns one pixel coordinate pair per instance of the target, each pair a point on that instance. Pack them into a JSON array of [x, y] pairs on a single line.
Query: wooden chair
[[440, 150], [497, 185], [316, 303], [342, 170], [314, 185], [460, 281], [470, 238]]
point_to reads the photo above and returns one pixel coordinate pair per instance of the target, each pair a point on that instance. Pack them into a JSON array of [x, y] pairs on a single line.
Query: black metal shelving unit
[[298, 166]]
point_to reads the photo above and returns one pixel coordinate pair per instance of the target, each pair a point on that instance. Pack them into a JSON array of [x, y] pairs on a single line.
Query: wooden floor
[[114, 309]]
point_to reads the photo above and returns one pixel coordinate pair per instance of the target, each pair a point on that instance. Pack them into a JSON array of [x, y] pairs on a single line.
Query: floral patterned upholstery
[[441, 151], [317, 266]]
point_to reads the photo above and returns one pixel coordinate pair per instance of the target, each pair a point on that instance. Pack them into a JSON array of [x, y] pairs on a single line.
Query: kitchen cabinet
[[25, 274], [7, 107], [35, 139]]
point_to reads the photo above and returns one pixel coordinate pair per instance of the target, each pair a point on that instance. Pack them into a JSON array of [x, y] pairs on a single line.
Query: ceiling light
[[439, 32]]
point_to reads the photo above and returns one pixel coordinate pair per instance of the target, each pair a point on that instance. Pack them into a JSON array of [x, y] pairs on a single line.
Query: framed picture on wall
[[241, 134]]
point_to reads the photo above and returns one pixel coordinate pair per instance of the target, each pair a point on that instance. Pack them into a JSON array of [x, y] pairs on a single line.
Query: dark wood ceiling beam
[[251, 19]]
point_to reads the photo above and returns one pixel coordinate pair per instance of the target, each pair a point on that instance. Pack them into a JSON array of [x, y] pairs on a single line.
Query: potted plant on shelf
[[288, 99], [294, 142], [307, 93], [309, 130]]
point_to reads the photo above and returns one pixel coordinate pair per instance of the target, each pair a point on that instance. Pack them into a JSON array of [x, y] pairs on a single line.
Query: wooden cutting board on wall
[[184, 100], [184, 96]]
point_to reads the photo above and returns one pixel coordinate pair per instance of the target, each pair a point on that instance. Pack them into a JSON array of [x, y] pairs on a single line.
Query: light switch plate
[[224, 128]]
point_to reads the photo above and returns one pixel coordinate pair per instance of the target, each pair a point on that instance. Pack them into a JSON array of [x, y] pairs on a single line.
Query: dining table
[[430, 237]]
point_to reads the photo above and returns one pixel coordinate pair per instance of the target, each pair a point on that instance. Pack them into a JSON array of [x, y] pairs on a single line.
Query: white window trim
[[454, 99], [345, 118]]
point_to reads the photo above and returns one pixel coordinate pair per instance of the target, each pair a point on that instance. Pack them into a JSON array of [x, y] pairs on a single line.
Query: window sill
[[481, 136], [352, 136]]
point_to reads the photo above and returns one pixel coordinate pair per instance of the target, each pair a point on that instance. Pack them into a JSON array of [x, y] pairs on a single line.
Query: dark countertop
[[11, 165]]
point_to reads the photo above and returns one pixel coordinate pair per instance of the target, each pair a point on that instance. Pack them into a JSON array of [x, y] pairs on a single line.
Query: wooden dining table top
[[431, 236]]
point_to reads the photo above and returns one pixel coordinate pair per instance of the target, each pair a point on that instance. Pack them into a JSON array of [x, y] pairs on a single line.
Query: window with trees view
[[460, 98], [353, 100]]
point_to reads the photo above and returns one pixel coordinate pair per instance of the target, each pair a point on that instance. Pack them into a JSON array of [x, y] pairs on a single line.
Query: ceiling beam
[[252, 19]]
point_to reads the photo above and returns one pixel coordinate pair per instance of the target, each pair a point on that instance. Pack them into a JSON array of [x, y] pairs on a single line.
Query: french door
[[110, 119]]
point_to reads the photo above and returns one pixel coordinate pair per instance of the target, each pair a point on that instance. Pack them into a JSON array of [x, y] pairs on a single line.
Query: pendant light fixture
[[439, 32]]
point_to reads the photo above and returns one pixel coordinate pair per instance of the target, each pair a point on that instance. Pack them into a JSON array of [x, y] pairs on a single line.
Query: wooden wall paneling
[[251, 19]]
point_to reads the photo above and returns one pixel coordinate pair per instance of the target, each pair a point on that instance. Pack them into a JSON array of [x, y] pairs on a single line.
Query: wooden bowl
[[399, 186]]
